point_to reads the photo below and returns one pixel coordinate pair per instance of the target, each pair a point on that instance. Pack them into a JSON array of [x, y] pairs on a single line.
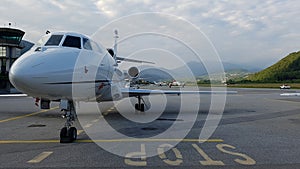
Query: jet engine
[[133, 72]]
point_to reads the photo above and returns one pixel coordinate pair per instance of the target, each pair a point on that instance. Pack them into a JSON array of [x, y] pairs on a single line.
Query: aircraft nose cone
[[18, 78]]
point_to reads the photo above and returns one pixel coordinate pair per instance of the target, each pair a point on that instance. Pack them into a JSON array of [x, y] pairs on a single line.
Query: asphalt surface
[[258, 129]]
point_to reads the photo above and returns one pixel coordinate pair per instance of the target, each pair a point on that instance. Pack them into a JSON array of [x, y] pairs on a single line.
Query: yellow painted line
[[208, 161], [111, 140], [27, 115], [27, 141], [87, 125], [246, 160], [153, 140], [79, 132], [40, 157], [141, 155], [163, 156], [95, 121]]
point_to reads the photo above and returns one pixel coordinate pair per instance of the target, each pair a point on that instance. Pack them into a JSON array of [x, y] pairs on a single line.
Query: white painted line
[[13, 95], [290, 94], [40, 157]]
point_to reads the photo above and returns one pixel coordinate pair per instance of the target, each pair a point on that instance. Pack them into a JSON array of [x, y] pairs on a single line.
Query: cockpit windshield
[[68, 40], [54, 40], [72, 41], [43, 40]]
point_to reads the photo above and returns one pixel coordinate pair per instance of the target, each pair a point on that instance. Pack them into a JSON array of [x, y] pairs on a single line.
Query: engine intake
[[133, 72]]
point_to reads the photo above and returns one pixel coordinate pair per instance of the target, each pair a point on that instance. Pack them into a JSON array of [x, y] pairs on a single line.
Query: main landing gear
[[68, 134], [139, 105]]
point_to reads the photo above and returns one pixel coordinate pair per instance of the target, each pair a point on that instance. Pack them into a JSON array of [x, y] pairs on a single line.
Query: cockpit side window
[[87, 44], [72, 41], [54, 40], [95, 47]]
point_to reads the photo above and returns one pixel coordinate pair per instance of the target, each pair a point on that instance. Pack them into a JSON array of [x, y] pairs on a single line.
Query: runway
[[258, 129]]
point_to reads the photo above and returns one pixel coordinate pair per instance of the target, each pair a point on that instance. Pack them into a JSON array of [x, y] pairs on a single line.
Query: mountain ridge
[[286, 69]]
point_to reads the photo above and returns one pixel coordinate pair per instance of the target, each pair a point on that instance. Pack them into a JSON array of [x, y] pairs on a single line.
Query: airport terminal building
[[11, 47]]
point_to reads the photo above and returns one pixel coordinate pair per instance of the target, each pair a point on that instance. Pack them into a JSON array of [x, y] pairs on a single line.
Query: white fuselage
[[55, 71]]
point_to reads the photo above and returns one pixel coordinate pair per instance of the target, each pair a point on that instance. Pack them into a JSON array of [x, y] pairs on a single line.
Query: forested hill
[[287, 69]]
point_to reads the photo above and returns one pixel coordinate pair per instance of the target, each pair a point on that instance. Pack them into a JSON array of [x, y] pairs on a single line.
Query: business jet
[[160, 83], [176, 83], [46, 72]]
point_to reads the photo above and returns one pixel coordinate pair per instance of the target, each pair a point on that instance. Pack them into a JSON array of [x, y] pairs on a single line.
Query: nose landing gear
[[139, 106], [68, 134]]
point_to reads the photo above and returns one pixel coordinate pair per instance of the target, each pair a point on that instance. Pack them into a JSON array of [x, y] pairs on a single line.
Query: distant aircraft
[[284, 86], [176, 83], [46, 73], [160, 83]]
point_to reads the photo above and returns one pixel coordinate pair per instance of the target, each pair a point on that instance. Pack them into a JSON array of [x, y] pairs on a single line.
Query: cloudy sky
[[256, 33]]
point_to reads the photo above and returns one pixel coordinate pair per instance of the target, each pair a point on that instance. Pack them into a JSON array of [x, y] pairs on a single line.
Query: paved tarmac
[[258, 129]]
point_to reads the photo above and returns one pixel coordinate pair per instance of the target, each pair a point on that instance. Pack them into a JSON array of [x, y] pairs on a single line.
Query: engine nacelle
[[133, 72]]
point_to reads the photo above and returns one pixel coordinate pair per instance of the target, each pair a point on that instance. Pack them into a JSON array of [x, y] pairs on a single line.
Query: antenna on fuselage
[[116, 47]]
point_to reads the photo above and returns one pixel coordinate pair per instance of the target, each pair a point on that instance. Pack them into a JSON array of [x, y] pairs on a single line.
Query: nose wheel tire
[[140, 107], [68, 135]]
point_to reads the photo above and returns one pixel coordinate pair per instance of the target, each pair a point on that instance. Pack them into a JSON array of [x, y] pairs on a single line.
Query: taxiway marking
[[95, 121], [208, 161], [79, 132], [13, 95], [112, 108], [87, 125], [27, 141], [27, 115], [111, 140], [284, 101], [139, 157], [40, 157]]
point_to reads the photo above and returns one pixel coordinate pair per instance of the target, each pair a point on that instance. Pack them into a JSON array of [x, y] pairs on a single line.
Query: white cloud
[[243, 31]]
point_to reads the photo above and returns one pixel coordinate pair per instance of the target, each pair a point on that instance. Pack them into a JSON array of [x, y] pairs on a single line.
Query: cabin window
[[87, 44], [54, 40], [72, 41]]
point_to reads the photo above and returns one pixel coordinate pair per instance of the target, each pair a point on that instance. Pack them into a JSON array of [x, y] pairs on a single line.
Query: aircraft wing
[[144, 92]]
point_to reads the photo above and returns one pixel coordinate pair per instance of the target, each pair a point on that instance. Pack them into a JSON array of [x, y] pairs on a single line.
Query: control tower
[[10, 50]]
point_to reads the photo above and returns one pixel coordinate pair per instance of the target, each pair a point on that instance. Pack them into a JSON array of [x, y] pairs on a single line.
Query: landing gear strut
[[139, 105], [68, 134]]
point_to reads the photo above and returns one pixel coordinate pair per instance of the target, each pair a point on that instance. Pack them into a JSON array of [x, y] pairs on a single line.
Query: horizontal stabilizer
[[132, 60]]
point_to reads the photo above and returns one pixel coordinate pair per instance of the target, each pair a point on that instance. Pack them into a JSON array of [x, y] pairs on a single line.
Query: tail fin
[[116, 47]]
